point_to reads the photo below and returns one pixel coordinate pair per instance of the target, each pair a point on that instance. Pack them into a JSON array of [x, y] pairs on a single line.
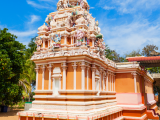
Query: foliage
[[146, 51], [11, 66], [112, 55], [29, 75], [133, 53]]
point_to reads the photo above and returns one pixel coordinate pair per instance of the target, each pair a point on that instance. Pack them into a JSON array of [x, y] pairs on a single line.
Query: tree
[[28, 77], [11, 66], [146, 51], [112, 55], [133, 53]]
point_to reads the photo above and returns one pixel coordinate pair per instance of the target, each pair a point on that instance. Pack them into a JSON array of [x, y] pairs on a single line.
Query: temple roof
[[152, 61]]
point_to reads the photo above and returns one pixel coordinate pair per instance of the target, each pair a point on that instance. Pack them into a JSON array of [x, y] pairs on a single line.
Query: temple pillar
[[64, 67], [37, 68], [103, 81], [74, 68], [92, 42], [107, 81], [84, 41], [100, 75], [50, 68], [83, 75], [43, 69], [44, 43], [114, 82], [110, 81], [135, 84], [87, 76], [93, 76]]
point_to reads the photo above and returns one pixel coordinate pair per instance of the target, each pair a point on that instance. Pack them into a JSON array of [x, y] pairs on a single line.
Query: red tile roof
[[130, 59]]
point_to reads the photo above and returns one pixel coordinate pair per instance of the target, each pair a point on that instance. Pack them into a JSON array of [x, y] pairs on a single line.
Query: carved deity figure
[[39, 43], [80, 34], [57, 41], [73, 18]]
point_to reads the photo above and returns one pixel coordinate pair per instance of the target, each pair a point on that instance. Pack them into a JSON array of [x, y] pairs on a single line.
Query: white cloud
[[32, 3], [108, 8], [34, 18], [41, 5], [23, 33], [131, 36], [92, 7], [131, 6]]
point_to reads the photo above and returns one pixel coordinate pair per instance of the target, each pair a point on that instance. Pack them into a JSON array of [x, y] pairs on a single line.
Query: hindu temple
[[74, 79]]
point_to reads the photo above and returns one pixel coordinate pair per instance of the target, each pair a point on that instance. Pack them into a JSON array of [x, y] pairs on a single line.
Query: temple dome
[[43, 28], [62, 4]]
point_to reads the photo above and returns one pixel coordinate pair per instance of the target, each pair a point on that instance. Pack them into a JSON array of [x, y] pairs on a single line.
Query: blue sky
[[126, 24]]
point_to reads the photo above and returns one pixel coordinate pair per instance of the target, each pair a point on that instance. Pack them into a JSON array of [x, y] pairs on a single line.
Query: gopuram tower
[[74, 79]]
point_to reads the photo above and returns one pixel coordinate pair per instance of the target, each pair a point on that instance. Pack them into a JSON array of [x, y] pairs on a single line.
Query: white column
[[44, 43], [43, 69], [135, 82], [74, 68], [93, 76], [84, 41], [50, 67], [114, 83], [87, 78], [53, 86], [110, 81], [60, 83], [64, 67], [92, 42], [37, 77], [83, 75], [50, 42], [107, 82], [103, 82], [100, 82]]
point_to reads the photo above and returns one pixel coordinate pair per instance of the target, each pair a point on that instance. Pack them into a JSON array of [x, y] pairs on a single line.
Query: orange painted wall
[[149, 88], [138, 78], [85, 78], [69, 41], [46, 79], [90, 78], [46, 44], [109, 81], [124, 79], [101, 81], [62, 40], [40, 79], [90, 42], [78, 78], [70, 77]]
